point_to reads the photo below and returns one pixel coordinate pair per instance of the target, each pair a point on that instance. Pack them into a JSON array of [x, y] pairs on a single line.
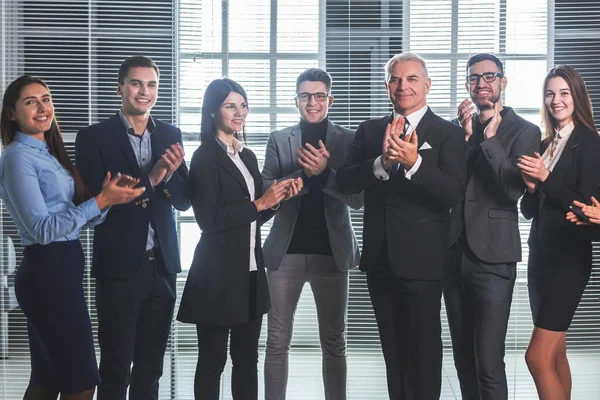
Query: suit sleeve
[[175, 189], [88, 160], [504, 164], [588, 176], [203, 188], [445, 179], [357, 172], [530, 205], [332, 189], [272, 168]]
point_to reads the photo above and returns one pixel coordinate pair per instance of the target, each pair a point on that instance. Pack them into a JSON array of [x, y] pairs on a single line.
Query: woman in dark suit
[[560, 253], [226, 291], [48, 202]]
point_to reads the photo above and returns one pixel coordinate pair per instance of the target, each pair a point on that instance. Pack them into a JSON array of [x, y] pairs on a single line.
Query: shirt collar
[[150, 127], [566, 131], [233, 149], [28, 140], [415, 117]]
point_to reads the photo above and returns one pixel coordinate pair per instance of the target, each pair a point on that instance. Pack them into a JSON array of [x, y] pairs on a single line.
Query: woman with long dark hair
[[50, 206], [226, 292], [560, 253]]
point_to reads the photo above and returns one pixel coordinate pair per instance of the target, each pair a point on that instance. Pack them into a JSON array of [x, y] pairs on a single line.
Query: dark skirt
[[556, 285], [49, 289]]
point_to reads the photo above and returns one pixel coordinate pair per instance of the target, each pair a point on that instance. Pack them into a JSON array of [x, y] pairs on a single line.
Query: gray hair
[[401, 57]]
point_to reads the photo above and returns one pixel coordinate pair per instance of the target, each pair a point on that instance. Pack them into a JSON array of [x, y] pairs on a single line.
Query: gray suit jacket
[[281, 162], [493, 189]]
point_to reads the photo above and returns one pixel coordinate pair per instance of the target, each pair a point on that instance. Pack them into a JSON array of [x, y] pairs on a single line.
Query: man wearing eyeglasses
[[311, 239], [484, 235], [411, 166]]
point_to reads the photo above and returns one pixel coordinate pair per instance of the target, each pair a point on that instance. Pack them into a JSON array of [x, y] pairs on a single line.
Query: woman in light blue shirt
[[50, 206]]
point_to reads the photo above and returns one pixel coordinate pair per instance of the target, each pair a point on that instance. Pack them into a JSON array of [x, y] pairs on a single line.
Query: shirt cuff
[[90, 209], [408, 174], [379, 171]]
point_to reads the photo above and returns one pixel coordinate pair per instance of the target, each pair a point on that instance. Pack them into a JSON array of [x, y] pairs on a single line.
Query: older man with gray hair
[[411, 166]]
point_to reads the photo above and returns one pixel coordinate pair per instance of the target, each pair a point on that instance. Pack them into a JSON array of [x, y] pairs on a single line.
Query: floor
[[366, 376]]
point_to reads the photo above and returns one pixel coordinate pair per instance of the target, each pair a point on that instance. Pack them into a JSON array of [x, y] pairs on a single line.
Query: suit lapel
[[295, 141], [159, 144], [249, 162], [228, 164], [122, 137], [567, 156], [423, 126]]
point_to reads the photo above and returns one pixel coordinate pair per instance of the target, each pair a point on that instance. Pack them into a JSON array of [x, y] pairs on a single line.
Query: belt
[[151, 254]]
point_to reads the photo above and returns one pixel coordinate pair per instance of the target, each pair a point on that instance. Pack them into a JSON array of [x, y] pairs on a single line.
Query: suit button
[[144, 205]]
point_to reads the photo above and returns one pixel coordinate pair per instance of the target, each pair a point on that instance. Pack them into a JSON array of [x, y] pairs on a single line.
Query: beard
[[481, 102]]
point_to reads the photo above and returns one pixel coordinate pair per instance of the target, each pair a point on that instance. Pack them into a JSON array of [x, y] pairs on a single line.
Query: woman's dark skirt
[[49, 289]]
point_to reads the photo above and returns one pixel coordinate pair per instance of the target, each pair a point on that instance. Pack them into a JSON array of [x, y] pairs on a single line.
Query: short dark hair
[[314, 75], [136, 62], [214, 95], [483, 57]]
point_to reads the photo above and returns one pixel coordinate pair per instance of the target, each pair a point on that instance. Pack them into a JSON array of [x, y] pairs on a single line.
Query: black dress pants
[[408, 318]]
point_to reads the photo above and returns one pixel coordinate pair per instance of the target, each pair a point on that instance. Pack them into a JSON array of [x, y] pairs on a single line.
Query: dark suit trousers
[[134, 322], [408, 318], [478, 296], [212, 355]]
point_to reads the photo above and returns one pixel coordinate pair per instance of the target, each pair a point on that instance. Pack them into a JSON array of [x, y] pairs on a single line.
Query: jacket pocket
[[503, 214]]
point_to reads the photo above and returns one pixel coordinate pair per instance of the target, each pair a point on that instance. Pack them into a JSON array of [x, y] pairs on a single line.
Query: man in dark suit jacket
[[411, 166], [484, 236], [136, 254], [312, 238]]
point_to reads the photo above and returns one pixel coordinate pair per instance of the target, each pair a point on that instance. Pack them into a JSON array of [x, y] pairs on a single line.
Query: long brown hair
[[582, 104], [54, 141]]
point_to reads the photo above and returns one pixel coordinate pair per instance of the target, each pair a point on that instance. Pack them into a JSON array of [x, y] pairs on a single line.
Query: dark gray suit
[[327, 275], [485, 247]]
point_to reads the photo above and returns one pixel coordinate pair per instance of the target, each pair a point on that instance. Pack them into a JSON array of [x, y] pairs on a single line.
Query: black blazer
[[413, 213], [120, 241], [217, 287], [575, 176]]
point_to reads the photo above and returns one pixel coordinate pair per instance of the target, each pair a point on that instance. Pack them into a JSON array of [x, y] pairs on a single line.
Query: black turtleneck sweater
[[310, 233]]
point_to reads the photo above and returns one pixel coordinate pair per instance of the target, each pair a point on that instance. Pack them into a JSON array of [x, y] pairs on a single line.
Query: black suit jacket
[[217, 287], [413, 214], [575, 176], [120, 241], [489, 211]]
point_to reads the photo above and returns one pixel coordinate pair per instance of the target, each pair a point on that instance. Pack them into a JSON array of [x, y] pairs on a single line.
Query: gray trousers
[[478, 296], [330, 290]]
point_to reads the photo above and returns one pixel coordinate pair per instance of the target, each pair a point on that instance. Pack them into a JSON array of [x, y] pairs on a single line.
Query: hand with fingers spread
[[294, 188], [403, 151], [273, 195], [393, 129], [492, 128], [113, 194], [169, 162], [465, 117], [592, 212], [313, 160], [533, 167]]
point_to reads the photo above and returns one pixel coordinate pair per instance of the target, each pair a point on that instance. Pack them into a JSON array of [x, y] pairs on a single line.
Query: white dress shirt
[[233, 151], [556, 148], [413, 119]]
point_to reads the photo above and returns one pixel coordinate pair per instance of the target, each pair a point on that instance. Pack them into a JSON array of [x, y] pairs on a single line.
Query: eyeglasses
[[488, 77], [319, 96]]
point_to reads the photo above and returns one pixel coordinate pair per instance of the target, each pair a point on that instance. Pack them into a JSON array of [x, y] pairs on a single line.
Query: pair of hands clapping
[[277, 192], [396, 149], [118, 190]]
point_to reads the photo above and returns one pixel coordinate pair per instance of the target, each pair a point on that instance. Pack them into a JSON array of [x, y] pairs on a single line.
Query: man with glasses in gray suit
[[484, 234], [311, 239]]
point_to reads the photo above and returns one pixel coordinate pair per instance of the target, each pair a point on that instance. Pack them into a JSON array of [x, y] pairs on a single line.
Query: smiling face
[[559, 101], [34, 111], [231, 115], [407, 86], [312, 110], [483, 91], [139, 91]]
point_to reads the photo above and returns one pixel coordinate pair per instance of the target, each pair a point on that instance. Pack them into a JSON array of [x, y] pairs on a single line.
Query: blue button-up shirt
[[142, 148], [38, 193]]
